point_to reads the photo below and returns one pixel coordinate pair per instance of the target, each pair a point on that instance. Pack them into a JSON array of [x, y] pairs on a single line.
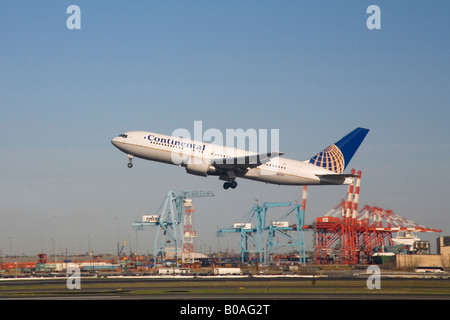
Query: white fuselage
[[163, 148]]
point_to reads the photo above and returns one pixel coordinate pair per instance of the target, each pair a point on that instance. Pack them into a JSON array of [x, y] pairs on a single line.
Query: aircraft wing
[[244, 162]]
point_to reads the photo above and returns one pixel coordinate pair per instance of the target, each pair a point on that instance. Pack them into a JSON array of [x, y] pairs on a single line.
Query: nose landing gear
[[130, 161]]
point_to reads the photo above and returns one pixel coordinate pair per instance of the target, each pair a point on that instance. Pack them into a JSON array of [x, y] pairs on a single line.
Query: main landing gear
[[230, 179], [130, 161], [232, 185]]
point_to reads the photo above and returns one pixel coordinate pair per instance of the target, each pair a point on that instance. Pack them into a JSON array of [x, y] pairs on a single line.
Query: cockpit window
[[123, 135]]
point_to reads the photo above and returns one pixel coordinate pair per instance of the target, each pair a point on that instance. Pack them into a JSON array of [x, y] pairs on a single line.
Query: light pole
[[117, 234], [42, 242], [10, 250], [89, 244], [56, 235]]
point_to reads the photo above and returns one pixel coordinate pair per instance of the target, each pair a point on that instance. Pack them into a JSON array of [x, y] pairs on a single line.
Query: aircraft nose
[[115, 141]]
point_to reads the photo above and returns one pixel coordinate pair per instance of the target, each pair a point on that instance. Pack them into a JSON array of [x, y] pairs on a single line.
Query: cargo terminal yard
[[105, 280], [345, 238], [366, 253]]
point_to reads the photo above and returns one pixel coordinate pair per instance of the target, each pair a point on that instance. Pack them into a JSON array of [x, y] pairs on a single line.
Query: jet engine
[[200, 169]]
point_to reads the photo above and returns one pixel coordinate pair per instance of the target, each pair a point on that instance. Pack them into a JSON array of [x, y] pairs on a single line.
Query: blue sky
[[312, 70]]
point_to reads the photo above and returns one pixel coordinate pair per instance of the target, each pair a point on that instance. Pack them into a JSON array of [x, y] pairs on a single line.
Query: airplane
[[207, 159]]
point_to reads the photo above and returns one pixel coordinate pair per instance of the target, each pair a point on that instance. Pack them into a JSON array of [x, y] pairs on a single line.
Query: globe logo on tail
[[331, 159]]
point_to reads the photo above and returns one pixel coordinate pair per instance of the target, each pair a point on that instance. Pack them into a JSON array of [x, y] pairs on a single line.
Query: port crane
[[169, 223], [348, 235], [254, 223]]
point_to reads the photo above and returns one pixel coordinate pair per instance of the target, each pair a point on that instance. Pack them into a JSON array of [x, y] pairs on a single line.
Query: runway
[[265, 298], [223, 289]]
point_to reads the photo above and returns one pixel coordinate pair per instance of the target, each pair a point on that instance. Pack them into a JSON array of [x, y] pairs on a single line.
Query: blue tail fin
[[337, 156]]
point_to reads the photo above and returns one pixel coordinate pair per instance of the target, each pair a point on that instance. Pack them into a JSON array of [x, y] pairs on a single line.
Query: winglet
[[337, 156]]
